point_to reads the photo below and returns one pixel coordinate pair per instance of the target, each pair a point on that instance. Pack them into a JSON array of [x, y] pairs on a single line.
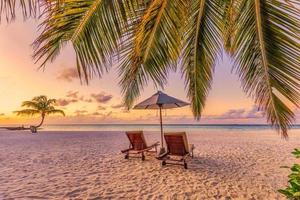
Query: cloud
[[120, 105], [97, 114], [72, 94], [2, 114], [88, 100], [253, 113], [73, 97], [102, 97], [233, 114], [109, 114], [65, 102], [80, 112], [101, 108], [68, 74]]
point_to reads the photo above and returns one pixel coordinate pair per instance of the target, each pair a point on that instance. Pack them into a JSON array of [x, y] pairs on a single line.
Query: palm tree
[[39, 105], [151, 37]]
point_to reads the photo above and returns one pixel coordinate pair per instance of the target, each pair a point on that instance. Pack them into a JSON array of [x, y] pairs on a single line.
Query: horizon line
[[151, 124]]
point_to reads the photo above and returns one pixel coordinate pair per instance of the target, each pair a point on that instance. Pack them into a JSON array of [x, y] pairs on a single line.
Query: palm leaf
[[29, 112], [30, 104], [92, 26], [268, 57], [55, 111], [152, 47], [51, 102], [41, 98], [230, 16], [30, 8], [201, 46]]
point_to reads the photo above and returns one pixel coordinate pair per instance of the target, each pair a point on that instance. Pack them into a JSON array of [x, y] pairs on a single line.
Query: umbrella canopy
[[160, 101]]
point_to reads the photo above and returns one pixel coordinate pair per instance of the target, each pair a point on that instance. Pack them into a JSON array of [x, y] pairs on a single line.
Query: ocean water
[[156, 127]]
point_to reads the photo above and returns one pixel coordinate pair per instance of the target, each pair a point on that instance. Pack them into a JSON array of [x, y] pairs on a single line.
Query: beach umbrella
[[160, 101]]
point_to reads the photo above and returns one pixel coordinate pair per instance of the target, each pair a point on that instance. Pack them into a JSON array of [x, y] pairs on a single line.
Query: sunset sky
[[99, 102]]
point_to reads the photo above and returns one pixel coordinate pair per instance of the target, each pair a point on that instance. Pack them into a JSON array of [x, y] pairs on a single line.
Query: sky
[[100, 101]]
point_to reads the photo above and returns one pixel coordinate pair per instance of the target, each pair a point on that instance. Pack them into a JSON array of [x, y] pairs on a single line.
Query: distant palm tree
[[152, 37], [40, 105]]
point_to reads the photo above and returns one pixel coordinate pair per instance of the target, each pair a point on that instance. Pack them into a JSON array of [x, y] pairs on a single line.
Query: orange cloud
[[80, 112], [72, 94], [101, 107], [120, 105]]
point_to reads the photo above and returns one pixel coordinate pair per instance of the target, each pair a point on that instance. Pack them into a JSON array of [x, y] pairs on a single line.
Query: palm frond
[[201, 46], [30, 8], [230, 16], [30, 104], [51, 102], [268, 58], [29, 112], [92, 26], [55, 111], [152, 47], [41, 98]]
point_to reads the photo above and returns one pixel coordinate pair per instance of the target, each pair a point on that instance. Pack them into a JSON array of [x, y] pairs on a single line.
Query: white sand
[[88, 165]]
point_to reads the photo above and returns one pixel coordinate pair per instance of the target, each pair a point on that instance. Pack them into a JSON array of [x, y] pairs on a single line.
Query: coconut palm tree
[[151, 37], [40, 105]]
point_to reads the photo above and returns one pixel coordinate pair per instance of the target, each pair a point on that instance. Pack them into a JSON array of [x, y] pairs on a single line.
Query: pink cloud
[[253, 113], [68, 74], [102, 97], [65, 102]]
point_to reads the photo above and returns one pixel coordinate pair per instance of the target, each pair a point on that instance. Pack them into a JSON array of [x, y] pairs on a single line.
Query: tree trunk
[[41, 123], [33, 129]]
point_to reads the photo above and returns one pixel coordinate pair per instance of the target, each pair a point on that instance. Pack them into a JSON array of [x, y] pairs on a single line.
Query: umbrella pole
[[161, 128], [162, 149]]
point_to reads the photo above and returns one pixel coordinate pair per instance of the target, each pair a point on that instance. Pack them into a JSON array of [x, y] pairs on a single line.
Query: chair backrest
[[177, 143], [137, 140]]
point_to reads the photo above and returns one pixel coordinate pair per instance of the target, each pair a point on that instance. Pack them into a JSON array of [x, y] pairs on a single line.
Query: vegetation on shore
[[292, 191], [39, 105]]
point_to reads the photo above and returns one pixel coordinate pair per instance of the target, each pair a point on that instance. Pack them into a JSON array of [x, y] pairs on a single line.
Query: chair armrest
[[126, 150], [161, 156], [155, 144]]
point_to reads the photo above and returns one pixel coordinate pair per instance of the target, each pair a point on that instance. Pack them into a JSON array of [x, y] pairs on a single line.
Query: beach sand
[[88, 165]]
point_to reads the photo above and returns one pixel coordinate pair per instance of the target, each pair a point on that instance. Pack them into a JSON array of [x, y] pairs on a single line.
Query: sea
[[156, 127]]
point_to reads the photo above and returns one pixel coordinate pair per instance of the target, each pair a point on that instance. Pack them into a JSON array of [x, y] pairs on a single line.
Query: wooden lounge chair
[[178, 149], [138, 144]]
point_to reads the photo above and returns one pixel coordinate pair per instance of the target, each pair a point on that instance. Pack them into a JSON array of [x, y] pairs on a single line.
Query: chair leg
[[185, 165], [126, 156], [163, 163], [143, 156]]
